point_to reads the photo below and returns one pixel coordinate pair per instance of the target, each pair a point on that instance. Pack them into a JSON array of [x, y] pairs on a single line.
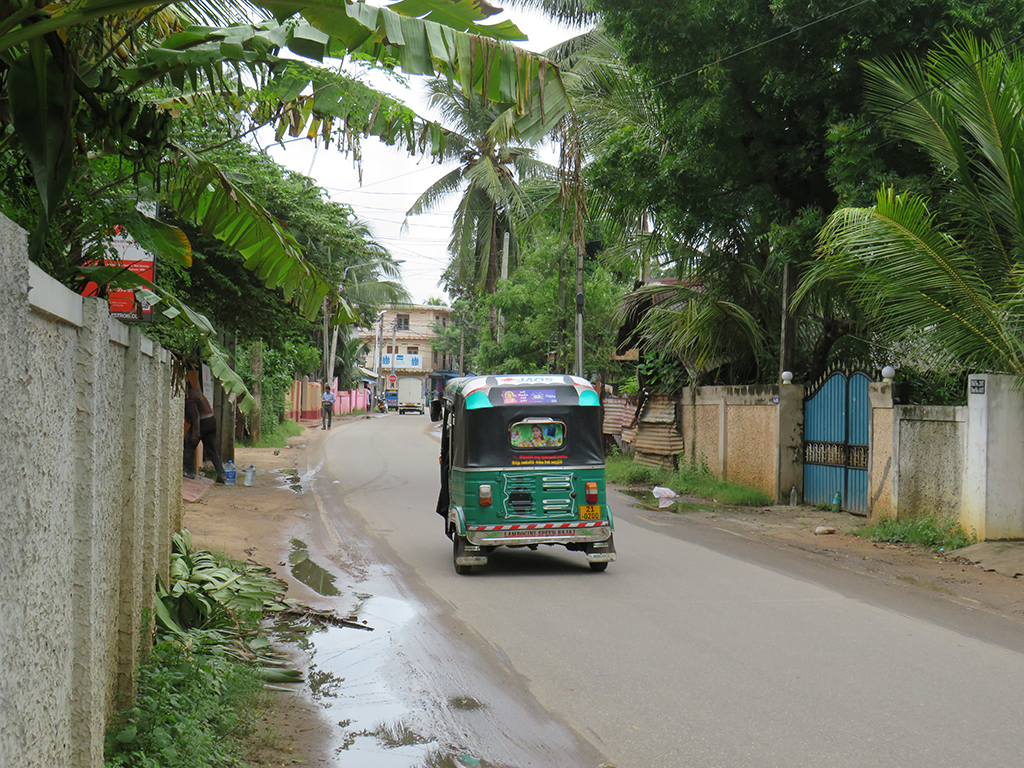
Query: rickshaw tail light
[[591, 492], [485, 495]]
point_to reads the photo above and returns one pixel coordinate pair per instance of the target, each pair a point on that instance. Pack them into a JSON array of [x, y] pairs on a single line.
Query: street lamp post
[[377, 373]]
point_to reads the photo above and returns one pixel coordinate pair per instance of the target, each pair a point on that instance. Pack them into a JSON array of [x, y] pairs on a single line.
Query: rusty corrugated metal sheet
[[629, 435], [628, 414], [613, 408], [654, 460], [660, 439], [660, 409]]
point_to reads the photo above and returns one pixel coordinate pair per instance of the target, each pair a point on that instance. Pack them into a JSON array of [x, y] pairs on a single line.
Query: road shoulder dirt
[[257, 524]]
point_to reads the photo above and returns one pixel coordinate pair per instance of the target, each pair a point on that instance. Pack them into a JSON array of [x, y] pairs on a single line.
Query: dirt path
[[258, 523]]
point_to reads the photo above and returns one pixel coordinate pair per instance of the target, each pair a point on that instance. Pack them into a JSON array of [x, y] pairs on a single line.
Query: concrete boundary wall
[[963, 462], [929, 448], [750, 435], [91, 451], [959, 462]]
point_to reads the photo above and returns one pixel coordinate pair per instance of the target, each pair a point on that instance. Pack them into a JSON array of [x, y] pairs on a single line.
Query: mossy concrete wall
[[90, 447], [930, 446]]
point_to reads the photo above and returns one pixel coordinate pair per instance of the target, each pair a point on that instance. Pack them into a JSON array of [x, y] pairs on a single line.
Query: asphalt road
[[692, 649]]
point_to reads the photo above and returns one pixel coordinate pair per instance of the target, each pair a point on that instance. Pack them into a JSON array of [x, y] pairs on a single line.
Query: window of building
[[389, 349], [402, 322], [412, 350]]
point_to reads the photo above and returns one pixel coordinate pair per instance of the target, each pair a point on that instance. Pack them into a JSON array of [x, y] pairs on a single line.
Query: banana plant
[[173, 308]]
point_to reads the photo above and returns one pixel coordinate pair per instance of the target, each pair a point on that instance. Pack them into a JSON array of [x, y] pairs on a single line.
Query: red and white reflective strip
[[537, 526]]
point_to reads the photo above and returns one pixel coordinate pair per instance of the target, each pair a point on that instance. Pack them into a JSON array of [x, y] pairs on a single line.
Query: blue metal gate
[[836, 417]]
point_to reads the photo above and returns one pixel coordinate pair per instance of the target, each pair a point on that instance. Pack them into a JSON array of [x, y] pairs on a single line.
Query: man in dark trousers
[[327, 407], [201, 426]]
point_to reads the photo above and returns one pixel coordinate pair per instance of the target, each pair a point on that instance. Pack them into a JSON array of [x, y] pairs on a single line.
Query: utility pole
[[788, 334], [327, 364], [504, 277], [581, 250], [378, 364]]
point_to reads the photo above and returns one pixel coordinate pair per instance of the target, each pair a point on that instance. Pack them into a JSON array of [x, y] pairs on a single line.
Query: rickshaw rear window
[[525, 435]]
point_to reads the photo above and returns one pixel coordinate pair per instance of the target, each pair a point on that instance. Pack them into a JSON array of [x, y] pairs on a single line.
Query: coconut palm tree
[[491, 167], [947, 270]]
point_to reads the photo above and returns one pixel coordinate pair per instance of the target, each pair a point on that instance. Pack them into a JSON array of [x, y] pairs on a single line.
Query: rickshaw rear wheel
[[598, 567], [462, 570]]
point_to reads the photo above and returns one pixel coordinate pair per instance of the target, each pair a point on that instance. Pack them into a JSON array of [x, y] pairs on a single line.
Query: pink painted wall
[[304, 400]]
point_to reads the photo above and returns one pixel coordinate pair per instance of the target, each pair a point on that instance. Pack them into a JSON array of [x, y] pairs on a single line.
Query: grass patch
[[279, 437], [928, 531], [686, 480], [200, 690], [193, 708]]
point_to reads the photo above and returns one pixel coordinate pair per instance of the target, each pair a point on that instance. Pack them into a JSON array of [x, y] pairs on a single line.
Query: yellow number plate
[[590, 511]]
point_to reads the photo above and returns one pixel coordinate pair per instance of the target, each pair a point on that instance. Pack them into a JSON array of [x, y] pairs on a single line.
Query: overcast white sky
[[392, 181]]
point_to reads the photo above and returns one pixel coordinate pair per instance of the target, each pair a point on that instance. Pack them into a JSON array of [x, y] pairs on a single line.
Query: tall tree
[[944, 274], [69, 103], [760, 104], [491, 166]]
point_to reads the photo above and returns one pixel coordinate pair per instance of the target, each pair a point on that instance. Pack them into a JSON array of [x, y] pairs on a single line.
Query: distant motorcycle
[[382, 405]]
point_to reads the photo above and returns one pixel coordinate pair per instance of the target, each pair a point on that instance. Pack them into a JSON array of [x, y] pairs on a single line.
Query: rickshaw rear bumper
[[593, 538]]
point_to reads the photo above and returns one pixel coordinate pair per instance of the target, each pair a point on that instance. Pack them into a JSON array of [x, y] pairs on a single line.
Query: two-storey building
[[401, 344]]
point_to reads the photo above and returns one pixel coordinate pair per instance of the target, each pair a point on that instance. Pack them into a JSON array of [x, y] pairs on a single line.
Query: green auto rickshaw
[[522, 464]]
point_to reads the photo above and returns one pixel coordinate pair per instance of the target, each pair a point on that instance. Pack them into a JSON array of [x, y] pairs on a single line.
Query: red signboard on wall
[[123, 303]]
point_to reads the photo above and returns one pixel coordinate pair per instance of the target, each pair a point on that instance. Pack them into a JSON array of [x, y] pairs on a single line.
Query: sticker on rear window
[[531, 434]]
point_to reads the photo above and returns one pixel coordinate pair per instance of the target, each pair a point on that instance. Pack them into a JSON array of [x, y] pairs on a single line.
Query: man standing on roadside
[[327, 407], [202, 425]]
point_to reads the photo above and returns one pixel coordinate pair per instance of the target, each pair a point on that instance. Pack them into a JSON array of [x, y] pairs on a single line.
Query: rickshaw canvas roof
[[467, 386]]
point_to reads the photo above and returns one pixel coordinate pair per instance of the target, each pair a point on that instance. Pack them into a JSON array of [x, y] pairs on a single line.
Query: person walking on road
[[202, 426], [327, 407]]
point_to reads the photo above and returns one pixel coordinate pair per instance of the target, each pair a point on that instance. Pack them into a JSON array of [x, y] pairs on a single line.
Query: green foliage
[[492, 167], [929, 531], [207, 592], [280, 369], [753, 135], [195, 692], [190, 711], [942, 275], [278, 436], [539, 332], [923, 387], [695, 481], [116, 137], [663, 372]]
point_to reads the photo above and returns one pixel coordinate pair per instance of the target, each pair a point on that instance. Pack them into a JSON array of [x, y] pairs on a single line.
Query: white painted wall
[[90, 449], [993, 486]]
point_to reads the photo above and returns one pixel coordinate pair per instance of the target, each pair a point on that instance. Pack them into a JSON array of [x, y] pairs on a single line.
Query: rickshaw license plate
[[590, 511]]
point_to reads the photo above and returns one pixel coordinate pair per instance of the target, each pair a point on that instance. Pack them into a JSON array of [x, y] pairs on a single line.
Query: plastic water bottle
[[837, 502], [793, 496], [229, 473], [250, 475]]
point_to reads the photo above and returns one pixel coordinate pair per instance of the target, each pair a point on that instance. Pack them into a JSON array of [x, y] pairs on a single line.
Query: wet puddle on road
[[375, 726], [290, 479]]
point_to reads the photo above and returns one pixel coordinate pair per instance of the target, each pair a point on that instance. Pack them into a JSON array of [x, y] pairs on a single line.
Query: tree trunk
[[560, 344], [256, 414], [832, 331], [224, 409]]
